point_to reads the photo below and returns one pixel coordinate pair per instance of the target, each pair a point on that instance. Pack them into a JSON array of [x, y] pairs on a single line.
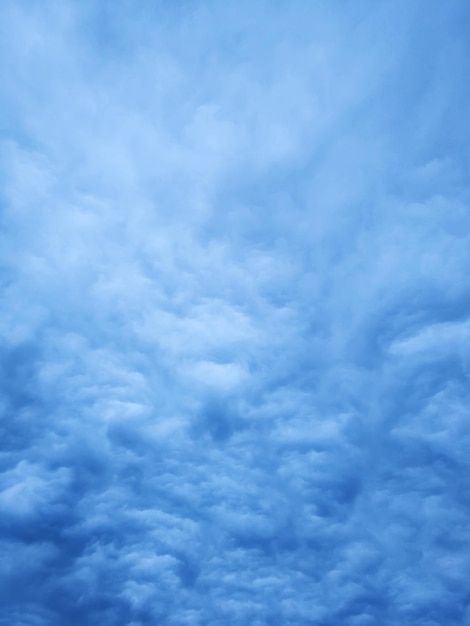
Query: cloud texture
[[235, 320]]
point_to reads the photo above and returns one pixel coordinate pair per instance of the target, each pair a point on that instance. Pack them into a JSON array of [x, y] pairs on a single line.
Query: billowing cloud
[[235, 242]]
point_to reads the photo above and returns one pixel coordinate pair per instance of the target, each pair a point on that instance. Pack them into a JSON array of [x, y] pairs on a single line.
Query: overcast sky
[[235, 313]]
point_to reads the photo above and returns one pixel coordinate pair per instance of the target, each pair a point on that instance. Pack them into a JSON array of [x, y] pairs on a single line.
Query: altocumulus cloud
[[235, 320]]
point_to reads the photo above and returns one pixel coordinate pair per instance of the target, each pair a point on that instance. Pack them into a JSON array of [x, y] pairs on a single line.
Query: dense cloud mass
[[235, 320]]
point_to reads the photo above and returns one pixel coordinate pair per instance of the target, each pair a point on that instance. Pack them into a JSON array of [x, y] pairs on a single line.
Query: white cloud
[[234, 262]]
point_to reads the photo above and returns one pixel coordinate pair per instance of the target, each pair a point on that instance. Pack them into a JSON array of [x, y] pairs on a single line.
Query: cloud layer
[[235, 321]]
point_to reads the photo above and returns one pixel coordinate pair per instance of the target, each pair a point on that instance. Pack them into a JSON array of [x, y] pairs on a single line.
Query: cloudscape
[[235, 313]]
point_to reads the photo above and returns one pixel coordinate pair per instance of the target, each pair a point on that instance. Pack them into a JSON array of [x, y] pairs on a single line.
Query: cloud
[[234, 323]]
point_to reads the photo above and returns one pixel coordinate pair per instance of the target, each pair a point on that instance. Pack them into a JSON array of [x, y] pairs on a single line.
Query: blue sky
[[235, 320]]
